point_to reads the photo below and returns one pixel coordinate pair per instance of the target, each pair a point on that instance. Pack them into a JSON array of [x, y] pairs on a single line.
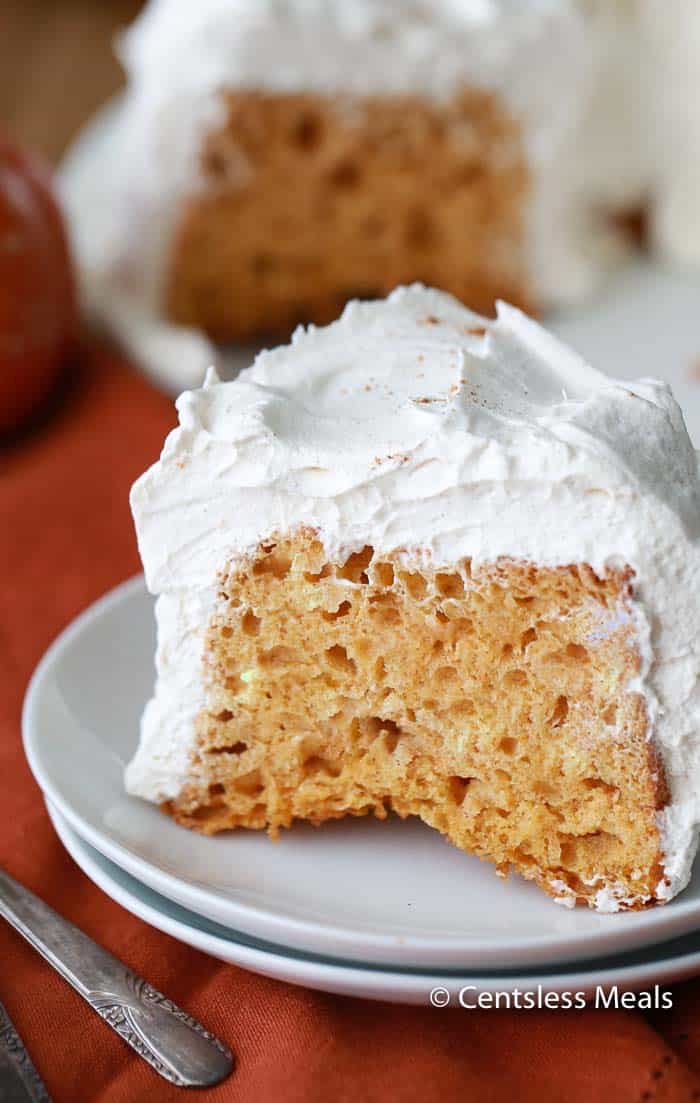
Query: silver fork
[[173, 1043]]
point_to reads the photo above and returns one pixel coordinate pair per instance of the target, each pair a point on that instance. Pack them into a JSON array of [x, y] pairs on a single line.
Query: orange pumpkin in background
[[38, 314]]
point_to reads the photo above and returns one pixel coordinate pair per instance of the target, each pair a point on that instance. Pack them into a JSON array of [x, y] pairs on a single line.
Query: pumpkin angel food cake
[[428, 563], [271, 159]]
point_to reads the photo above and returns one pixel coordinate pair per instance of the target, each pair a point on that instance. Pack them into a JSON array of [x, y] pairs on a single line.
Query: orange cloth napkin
[[66, 537]]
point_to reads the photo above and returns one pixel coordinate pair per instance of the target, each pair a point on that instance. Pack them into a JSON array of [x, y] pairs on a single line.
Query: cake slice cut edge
[[493, 703]]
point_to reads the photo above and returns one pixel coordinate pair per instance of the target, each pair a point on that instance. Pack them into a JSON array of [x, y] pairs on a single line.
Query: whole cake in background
[[274, 158], [426, 562]]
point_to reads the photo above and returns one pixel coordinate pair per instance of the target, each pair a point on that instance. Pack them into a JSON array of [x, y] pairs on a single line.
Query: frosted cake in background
[[424, 562], [273, 159]]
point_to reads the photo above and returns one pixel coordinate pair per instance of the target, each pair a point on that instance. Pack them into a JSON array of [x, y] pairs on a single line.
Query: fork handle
[[174, 1044]]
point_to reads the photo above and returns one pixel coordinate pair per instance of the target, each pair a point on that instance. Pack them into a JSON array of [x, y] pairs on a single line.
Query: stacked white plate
[[386, 910], [381, 910]]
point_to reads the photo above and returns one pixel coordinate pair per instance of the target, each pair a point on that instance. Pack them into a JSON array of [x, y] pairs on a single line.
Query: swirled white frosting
[[414, 424]]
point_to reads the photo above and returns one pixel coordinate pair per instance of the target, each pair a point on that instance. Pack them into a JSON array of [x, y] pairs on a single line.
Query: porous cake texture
[[309, 201], [424, 563], [494, 703]]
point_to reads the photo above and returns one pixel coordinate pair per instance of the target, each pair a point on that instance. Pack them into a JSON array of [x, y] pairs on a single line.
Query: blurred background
[[57, 65]]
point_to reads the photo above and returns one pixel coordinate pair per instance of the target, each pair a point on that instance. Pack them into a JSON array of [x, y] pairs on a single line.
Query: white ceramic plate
[[645, 322], [673, 961], [392, 893]]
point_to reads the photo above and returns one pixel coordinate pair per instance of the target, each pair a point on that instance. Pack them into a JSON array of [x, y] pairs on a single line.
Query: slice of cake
[[424, 562]]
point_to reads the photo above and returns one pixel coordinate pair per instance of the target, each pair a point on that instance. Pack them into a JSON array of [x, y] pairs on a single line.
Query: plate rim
[[671, 920], [365, 980]]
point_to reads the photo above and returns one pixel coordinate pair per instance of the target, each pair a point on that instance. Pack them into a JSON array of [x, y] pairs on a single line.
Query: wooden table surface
[[57, 66]]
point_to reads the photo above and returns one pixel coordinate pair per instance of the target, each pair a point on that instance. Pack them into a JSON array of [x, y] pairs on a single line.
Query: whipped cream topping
[[331, 46], [415, 424]]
